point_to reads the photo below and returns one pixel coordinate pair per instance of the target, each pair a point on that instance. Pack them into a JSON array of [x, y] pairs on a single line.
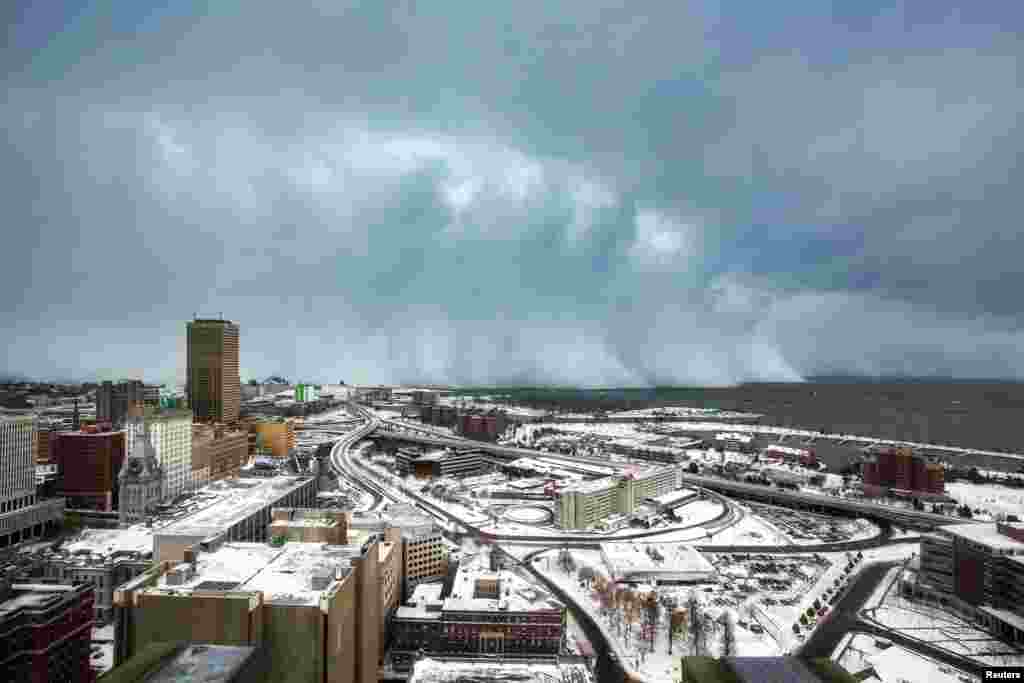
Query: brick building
[[899, 469], [45, 632], [90, 462], [482, 426], [275, 437], [318, 611], [221, 451], [488, 611]]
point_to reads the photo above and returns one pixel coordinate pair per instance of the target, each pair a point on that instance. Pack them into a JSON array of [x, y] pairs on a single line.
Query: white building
[[170, 432], [21, 515], [656, 563]]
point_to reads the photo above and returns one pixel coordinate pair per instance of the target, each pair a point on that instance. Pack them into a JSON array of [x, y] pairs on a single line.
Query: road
[[845, 618], [899, 516]]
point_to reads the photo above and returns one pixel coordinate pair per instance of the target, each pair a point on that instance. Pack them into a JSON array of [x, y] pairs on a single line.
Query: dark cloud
[[572, 193]]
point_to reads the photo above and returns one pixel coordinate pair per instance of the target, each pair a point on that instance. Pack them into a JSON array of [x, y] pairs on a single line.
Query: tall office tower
[[213, 387], [21, 515]]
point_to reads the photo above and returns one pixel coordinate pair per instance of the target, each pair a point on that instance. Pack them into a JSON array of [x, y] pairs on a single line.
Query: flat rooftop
[[986, 534], [516, 594], [207, 663], [105, 543], [282, 574], [452, 671], [635, 558], [224, 503], [674, 496]]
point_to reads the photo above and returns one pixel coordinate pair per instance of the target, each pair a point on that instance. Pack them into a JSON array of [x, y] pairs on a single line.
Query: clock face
[[135, 466]]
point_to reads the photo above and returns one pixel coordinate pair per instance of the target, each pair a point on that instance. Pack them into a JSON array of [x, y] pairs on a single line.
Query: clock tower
[[140, 483]]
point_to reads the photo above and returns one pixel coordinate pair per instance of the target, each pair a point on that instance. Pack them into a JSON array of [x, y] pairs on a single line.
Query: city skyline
[[704, 194]]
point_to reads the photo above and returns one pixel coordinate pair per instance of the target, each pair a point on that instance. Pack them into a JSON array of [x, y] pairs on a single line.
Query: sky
[[577, 193]]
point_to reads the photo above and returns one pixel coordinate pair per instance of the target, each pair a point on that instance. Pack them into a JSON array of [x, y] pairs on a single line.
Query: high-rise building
[[170, 432], [213, 384], [21, 515], [117, 403]]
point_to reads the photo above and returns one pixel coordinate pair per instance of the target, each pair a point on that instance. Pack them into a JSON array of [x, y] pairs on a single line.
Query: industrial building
[[318, 611], [213, 386], [447, 462], [656, 563], [583, 505], [220, 450], [89, 462], [46, 632], [238, 509], [900, 470], [488, 611]]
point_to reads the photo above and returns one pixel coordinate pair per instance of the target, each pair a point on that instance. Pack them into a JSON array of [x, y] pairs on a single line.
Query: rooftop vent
[[217, 586]]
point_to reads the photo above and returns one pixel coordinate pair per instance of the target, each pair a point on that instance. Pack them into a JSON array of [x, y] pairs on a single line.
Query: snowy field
[[992, 498]]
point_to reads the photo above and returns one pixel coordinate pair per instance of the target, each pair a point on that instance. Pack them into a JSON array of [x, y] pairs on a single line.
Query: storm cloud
[[575, 193]]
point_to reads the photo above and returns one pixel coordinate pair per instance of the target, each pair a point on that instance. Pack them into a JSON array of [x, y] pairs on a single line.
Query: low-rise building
[[447, 462], [102, 558], [488, 612], [309, 525], [46, 632], [657, 563]]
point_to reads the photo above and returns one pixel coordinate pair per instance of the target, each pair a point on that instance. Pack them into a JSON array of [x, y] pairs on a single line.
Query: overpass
[[914, 519]]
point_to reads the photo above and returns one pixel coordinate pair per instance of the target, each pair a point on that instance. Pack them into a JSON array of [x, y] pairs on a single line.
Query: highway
[[915, 519]]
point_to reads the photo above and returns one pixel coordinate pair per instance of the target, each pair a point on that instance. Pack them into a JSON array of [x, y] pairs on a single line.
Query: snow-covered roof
[[515, 594], [673, 497], [664, 560], [107, 542], [451, 671], [228, 502], [985, 534], [282, 574], [896, 665]]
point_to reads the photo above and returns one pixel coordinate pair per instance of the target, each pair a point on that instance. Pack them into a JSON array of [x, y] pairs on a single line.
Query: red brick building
[[482, 426], [901, 470], [89, 463], [45, 632]]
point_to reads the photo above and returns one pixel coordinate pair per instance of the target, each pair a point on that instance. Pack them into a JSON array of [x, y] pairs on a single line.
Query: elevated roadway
[[912, 519]]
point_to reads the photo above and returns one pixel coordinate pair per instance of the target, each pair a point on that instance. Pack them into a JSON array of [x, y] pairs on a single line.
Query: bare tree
[[695, 624], [728, 636]]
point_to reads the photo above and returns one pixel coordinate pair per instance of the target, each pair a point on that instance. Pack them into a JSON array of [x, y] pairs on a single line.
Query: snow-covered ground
[[750, 610], [894, 664], [992, 498], [944, 629]]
